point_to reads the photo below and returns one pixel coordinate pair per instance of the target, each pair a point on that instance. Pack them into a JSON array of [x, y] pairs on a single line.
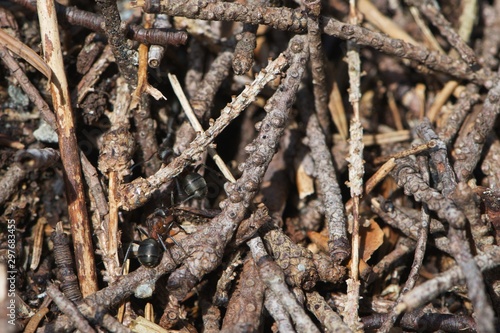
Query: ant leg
[[141, 231], [127, 253], [172, 238]]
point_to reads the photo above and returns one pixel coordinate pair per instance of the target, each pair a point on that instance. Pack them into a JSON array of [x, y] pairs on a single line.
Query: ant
[[151, 249]]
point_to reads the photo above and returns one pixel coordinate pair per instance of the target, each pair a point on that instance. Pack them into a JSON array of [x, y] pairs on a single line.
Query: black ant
[[151, 249]]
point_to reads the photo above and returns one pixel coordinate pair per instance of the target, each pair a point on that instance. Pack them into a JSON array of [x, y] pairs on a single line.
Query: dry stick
[[467, 20], [24, 82], [490, 41], [317, 62], [283, 18], [407, 152], [69, 308], [356, 172], [115, 161], [156, 52], [68, 147], [330, 320], [430, 289], [332, 198], [211, 317], [419, 320], [419, 255], [385, 24], [32, 159], [96, 23], [465, 198], [135, 194], [403, 247], [202, 99], [490, 163], [64, 262], [377, 177], [278, 312], [197, 126], [244, 311], [243, 52], [396, 218], [218, 72], [295, 261], [274, 279], [140, 106], [225, 282], [439, 21], [241, 194], [382, 138], [459, 246], [469, 144], [24, 52], [88, 81], [116, 39], [451, 125], [194, 74], [413, 184], [446, 178]]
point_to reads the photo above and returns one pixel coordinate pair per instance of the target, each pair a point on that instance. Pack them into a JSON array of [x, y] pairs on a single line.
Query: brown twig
[[470, 143], [64, 261], [274, 279], [332, 199], [419, 255], [317, 63], [66, 306], [68, 149], [445, 28], [245, 306]]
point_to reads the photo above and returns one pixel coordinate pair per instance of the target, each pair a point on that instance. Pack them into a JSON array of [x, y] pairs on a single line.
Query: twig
[[450, 127], [22, 50], [429, 290], [446, 181], [140, 106], [403, 248], [439, 21], [317, 62], [243, 52], [332, 198], [419, 255], [67, 307], [330, 320], [245, 307], [197, 126], [469, 144], [64, 261], [33, 159], [28, 87], [10, 180], [80, 225], [274, 279], [278, 312], [116, 39], [356, 172], [295, 261]]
